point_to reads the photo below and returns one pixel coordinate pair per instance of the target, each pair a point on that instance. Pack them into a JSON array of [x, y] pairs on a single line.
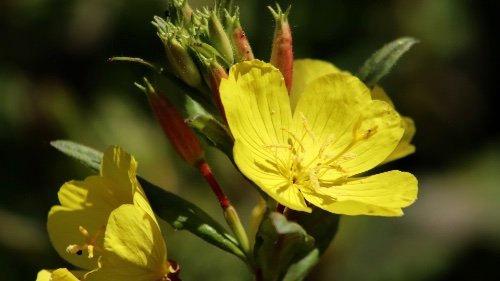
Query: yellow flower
[[336, 132], [106, 224], [76, 227]]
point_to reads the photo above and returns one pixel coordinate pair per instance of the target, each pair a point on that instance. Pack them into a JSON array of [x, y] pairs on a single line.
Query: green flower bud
[[218, 38], [182, 63]]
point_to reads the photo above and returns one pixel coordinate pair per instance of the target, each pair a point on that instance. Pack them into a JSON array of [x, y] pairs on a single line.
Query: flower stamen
[[89, 245]]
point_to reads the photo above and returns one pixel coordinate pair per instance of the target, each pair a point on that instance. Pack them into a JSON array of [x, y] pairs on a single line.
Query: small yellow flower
[[76, 227], [336, 131], [105, 224]]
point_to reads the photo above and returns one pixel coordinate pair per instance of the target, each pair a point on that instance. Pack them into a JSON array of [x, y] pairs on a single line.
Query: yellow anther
[[83, 231]]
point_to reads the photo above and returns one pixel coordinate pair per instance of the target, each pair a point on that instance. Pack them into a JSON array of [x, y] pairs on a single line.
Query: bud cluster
[[201, 45]]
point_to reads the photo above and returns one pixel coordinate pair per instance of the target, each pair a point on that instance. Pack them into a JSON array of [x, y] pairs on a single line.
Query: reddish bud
[[214, 74], [182, 138], [282, 53], [241, 46]]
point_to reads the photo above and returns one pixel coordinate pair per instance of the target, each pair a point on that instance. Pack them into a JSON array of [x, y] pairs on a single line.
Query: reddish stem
[[205, 170]]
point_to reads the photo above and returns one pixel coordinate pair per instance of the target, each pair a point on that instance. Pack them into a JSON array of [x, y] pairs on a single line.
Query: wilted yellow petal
[[378, 195]]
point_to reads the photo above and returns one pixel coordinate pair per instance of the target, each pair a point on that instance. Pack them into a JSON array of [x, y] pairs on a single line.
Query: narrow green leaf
[[183, 215], [381, 62], [179, 213], [84, 154]]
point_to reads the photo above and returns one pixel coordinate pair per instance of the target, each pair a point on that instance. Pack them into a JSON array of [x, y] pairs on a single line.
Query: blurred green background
[[55, 83]]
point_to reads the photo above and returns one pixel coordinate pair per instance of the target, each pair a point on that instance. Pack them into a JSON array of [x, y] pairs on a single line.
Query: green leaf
[[183, 215], [84, 154], [213, 132], [179, 213], [283, 249], [381, 62]]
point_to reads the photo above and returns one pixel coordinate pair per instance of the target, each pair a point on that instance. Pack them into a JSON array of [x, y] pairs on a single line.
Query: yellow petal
[[258, 112], [134, 247], [120, 167], [327, 114], [43, 275], [404, 147], [378, 93], [61, 274], [63, 227], [306, 70], [380, 130], [378, 195]]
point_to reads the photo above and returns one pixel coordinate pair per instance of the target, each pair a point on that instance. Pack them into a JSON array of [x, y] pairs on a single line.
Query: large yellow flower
[[309, 154], [105, 224]]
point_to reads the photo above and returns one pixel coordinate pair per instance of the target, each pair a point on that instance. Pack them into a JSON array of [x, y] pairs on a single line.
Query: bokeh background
[[56, 83]]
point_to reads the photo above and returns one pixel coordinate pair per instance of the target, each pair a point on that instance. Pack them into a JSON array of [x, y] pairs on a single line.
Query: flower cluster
[[303, 132]]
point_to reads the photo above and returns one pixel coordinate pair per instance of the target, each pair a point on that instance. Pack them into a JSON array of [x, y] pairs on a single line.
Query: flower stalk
[[230, 214]]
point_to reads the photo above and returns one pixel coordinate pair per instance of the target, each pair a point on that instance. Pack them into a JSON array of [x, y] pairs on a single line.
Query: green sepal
[[320, 224], [283, 249], [381, 62], [179, 213], [214, 132]]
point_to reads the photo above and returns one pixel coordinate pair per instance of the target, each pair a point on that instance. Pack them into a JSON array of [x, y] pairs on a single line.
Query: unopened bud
[[282, 53], [182, 138], [219, 39], [241, 46], [182, 63], [213, 75], [233, 220]]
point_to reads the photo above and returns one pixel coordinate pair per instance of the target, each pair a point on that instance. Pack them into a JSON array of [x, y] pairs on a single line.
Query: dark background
[[55, 83]]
